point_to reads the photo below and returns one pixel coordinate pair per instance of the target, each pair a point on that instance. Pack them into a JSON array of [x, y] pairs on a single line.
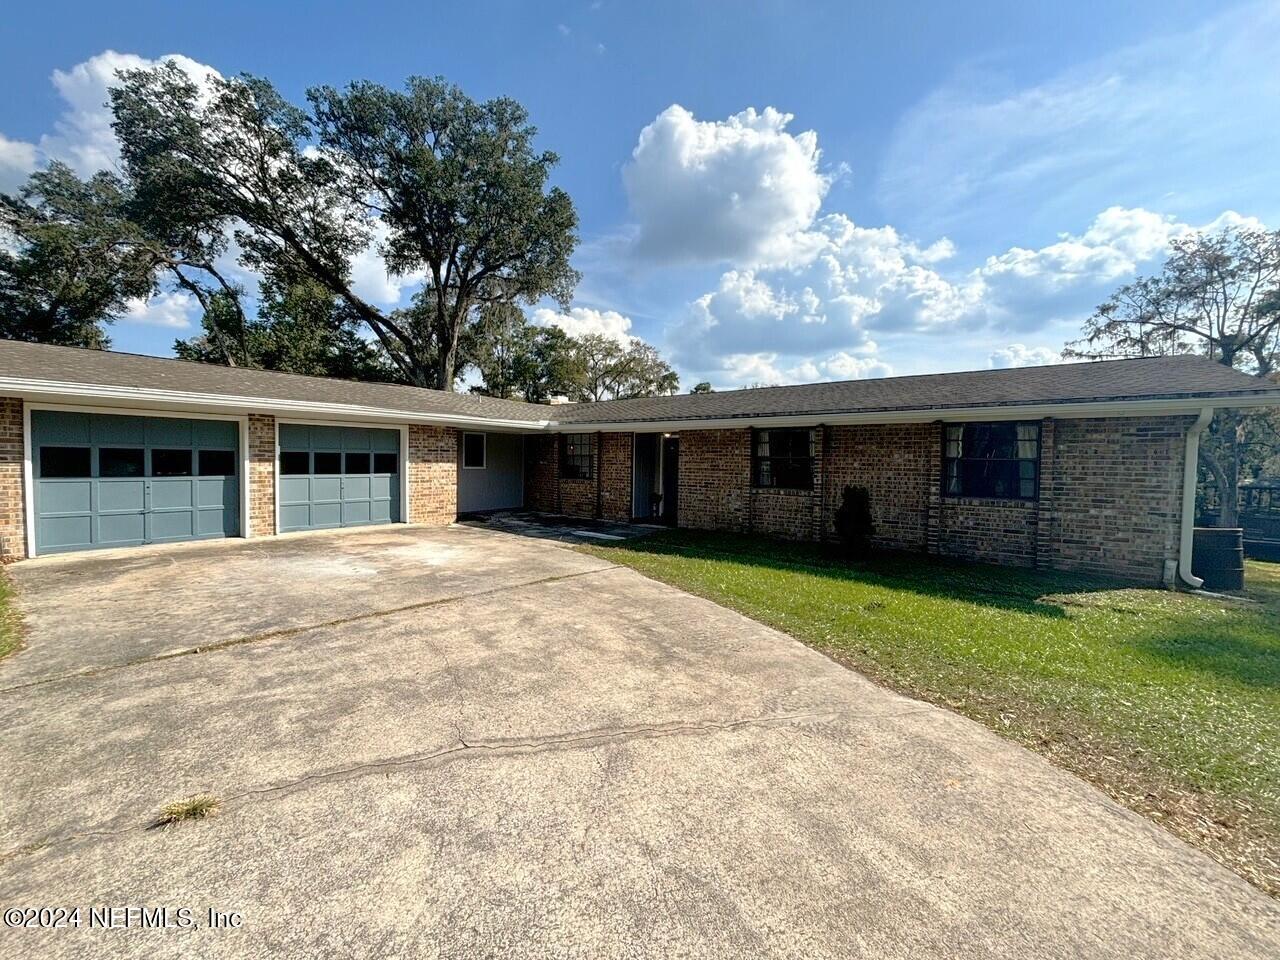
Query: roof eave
[[1064, 409]]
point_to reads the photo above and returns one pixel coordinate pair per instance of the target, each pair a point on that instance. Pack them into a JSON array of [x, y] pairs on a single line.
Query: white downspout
[[1189, 477]]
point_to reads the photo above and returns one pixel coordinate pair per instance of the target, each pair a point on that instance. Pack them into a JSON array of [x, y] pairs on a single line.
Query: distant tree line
[[218, 173]]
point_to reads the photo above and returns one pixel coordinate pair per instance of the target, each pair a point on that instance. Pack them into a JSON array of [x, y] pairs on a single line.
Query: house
[[1084, 467]]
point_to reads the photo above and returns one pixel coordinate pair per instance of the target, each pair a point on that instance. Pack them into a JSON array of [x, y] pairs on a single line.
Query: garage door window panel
[[327, 462], [295, 463], [217, 463], [357, 463], [65, 462], [385, 463], [170, 463], [122, 462]]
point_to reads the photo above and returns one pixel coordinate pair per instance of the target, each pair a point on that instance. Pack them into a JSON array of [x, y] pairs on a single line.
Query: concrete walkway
[[461, 742]]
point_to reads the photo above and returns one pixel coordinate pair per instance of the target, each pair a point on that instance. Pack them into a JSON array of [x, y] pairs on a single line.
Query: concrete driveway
[[462, 742]]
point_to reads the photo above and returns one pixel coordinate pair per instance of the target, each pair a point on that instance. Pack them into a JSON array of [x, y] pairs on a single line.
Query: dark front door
[[670, 480]]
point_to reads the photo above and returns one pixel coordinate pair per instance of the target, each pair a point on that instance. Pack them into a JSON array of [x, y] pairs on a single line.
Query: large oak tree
[[451, 191]]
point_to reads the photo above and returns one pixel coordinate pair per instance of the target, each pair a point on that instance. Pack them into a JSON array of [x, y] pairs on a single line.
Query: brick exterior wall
[[715, 479], [433, 475], [615, 476], [1110, 494], [542, 473], [262, 475], [1114, 503], [13, 508], [578, 498]]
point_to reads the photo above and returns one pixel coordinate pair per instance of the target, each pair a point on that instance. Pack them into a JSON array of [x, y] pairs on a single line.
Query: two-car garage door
[[103, 480]]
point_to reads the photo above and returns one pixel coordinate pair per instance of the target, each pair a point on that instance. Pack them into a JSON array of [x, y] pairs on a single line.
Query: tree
[[616, 372], [703, 386], [447, 188], [1217, 295], [300, 328], [517, 359], [65, 268]]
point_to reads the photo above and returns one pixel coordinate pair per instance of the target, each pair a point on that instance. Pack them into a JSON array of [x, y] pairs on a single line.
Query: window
[[171, 463], [294, 462], [384, 463], [121, 462], [473, 451], [357, 463], [782, 459], [328, 462], [575, 456], [64, 461], [217, 463], [995, 460]]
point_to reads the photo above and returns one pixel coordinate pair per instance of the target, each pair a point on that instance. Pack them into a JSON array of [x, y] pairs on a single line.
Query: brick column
[[933, 508], [262, 475], [433, 474], [13, 506], [1045, 518]]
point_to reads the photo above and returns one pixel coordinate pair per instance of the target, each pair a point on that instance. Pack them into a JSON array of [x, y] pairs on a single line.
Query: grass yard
[[8, 618], [1169, 702]]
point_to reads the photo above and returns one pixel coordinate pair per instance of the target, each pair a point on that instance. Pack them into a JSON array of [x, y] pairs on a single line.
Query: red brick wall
[[615, 476], [542, 473], [996, 531], [1114, 495], [13, 529], [895, 464], [262, 475], [715, 479], [433, 474]]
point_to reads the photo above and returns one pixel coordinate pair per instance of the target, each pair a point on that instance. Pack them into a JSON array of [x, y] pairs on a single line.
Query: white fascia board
[[139, 397], [1037, 411]]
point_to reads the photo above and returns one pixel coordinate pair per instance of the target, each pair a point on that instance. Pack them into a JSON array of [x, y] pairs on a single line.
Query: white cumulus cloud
[[173, 310], [580, 321], [740, 190], [1020, 355], [17, 160]]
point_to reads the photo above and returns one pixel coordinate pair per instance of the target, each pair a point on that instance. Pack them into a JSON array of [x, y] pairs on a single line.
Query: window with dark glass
[[170, 463], [328, 461], [122, 462], [64, 461], [294, 462], [473, 451], [357, 463], [217, 463], [992, 460], [575, 456], [384, 463], [782, 459]]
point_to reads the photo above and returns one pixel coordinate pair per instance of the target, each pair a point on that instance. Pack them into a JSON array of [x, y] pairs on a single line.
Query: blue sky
[[771, 192]]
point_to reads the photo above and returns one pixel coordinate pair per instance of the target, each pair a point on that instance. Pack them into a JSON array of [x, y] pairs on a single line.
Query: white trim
[[28, 471], [1027, 411], [23, 387], [403, 464], [1187, 531], [484, 449], [53, 391]]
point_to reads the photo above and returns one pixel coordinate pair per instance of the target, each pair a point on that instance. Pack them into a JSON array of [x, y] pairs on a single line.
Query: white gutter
[[1190, 462], [61, 391], [1063, 410]]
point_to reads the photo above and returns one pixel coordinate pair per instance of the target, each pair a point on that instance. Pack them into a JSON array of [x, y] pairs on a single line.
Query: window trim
[[756, 458], [484, 451], [1011, 498], [590, 456]]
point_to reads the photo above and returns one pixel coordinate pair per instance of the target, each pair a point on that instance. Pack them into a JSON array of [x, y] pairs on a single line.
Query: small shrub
[[853, 522], [198, 807]]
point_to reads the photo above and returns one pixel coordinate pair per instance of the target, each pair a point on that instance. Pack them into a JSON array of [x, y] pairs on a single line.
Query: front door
[[670, 480]]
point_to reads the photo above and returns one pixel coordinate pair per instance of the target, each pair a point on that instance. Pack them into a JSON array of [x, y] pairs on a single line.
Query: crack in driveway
[[463, 748], [295, 631]]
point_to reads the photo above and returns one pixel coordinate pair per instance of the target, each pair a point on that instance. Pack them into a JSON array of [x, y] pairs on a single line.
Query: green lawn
[[1171, 703], [8, 619]]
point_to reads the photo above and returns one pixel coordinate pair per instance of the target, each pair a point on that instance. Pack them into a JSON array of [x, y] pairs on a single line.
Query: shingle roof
[[107, 368], [1141, 379], [1147, 378]]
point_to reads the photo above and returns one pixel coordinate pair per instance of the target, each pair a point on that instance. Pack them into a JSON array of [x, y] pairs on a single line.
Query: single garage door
[[103, 480], [338, 476]]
